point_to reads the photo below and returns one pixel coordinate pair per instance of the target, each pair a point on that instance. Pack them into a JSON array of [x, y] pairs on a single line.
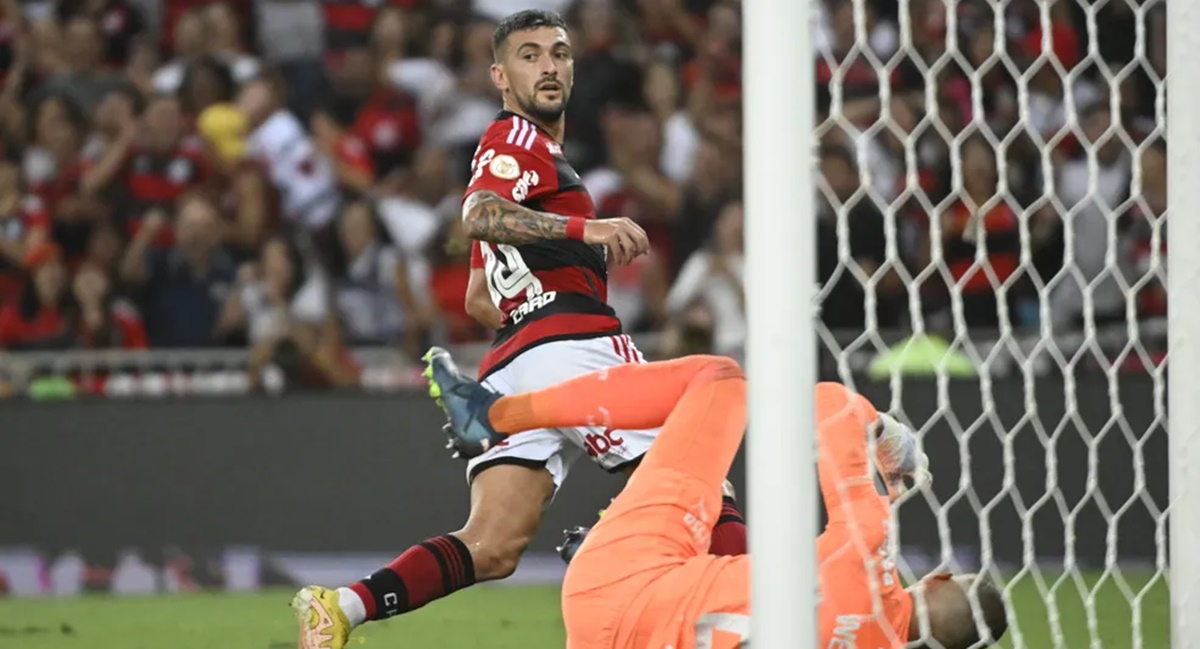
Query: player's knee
[[500, 562], [497, 557], [716, 368]]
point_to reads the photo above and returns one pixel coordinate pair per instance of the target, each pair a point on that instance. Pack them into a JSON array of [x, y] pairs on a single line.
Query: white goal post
[[780, 361], [1183, 170], [1102, 543]]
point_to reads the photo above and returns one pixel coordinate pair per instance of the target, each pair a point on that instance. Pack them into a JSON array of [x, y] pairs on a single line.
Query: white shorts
[[557, 448]]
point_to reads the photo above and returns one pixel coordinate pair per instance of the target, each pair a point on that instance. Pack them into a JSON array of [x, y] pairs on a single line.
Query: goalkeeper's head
[[963, 611]]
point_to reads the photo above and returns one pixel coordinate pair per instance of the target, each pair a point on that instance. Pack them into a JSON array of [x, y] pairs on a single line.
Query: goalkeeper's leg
[[666, 513]]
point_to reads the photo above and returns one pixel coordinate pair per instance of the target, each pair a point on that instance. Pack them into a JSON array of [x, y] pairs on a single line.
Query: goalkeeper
[[643, 577]]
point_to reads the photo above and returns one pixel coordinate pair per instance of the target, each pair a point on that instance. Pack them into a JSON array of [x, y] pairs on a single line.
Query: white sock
[[352, 606]]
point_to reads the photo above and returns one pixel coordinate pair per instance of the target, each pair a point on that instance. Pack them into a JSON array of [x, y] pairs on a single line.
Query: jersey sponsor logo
[[528, 181], [598, 444], [532, 304], [505, 167], [554, 148]]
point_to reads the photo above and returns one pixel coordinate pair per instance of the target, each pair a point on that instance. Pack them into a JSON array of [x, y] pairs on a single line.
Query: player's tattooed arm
[[488, 217]]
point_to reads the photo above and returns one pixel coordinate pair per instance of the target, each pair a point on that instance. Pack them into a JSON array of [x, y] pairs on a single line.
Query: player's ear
[[499, 79]]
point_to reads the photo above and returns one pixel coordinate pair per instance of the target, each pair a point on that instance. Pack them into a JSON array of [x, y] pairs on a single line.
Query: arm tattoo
[[495, 220]]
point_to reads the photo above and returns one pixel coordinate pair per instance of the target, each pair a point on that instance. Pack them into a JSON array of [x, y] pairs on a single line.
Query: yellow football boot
[[323, 625]]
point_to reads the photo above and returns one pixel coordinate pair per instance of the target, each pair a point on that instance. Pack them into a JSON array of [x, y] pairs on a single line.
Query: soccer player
[[539, 278], [642, 578]]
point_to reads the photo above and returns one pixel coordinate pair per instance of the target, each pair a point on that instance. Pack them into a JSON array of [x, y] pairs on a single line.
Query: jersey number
[[481, 162], [508, 277]]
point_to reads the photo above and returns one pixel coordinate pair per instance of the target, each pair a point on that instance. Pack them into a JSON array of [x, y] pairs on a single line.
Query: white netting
[[992, 220]]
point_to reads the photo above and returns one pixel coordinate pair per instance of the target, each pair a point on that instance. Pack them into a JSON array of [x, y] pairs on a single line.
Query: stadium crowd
[[286, 175]]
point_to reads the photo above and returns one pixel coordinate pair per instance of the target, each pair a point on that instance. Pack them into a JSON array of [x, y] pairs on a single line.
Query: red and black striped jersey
[[154, 180], [547, 290]]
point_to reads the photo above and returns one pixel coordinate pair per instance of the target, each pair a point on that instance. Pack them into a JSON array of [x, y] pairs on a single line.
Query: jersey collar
[[505, 115]]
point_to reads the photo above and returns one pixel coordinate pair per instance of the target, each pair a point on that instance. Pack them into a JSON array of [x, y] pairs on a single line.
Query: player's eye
[[531, 57], [563, 55]]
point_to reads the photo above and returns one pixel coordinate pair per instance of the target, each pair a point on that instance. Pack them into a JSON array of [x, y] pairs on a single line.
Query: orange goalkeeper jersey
[[863, 603]]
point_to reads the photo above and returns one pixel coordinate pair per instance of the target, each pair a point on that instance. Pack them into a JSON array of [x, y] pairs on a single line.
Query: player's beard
[[545, 111]]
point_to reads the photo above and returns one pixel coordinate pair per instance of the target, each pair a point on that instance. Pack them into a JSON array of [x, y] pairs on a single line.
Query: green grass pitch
[[489, 617]]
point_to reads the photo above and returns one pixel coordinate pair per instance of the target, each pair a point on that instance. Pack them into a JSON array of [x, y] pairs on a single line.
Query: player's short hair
[[524, 21]]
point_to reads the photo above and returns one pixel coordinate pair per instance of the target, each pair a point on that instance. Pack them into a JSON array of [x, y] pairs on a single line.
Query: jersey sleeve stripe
[[531, 137], [521, 136], [516, 127]]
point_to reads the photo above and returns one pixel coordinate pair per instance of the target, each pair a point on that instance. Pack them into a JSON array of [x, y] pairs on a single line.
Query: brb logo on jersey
[[521, 190]]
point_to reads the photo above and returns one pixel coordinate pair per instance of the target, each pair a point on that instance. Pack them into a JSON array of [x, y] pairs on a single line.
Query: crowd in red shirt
[[118, 124]]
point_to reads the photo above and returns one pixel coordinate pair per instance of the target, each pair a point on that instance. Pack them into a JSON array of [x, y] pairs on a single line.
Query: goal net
[[992, 260]]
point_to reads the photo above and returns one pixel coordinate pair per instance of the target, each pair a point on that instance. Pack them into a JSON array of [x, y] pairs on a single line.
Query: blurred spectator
[[715, 180], [428, 79], [449, 274], [1148, 232], [290, 38], [104, 249], [182, 288], [83, 78], [120, 25], [348, 23], [475, 102], [1091, 191], [632, 184], [980, 217], [10, 38], [263, 303], [143, 63], [212, 30], [845, 278], [105, 320], [713, 278], [382, 118], [41, 318], [715, 72], [175, 10], [206, 82], [680, 138], [227, 39], [24, 224], [154, 171], [377, 294], [55, 171], [114, 125], [303, 179], [604, 75]]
